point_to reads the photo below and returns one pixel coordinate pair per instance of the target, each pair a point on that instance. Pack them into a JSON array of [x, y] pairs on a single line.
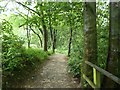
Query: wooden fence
[[97, 71]]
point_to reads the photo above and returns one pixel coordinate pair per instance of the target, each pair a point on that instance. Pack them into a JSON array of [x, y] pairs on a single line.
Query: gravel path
[[52, 74]]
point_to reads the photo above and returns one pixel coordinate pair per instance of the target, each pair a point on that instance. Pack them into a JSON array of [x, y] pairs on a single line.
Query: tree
[[70, 40], [113, 59], [42, 18], [71, 31], [51, 21], [90, 40], [54, 40], [29, 23], [44, 28], [28, 31]]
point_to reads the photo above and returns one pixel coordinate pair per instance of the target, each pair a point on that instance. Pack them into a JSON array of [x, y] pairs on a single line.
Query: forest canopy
[[31, 30]]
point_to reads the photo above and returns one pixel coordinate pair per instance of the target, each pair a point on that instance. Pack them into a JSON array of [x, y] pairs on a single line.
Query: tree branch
[[28, 8], [36, 34]]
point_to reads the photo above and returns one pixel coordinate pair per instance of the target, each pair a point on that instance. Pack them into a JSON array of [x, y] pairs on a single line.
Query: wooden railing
[[97, 71]]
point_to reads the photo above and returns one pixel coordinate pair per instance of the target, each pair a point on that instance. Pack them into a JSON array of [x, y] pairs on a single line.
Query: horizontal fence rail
[[96, 75], [106, 73]]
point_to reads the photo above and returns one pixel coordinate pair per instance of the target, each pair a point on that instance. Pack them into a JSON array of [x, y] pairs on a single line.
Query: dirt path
[[53, 74]]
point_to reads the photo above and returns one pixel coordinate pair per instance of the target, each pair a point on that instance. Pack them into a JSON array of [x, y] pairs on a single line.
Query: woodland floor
[[52, 74]]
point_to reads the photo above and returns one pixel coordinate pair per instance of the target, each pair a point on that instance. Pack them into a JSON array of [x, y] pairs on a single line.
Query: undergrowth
[[22, 65], [17, 60]]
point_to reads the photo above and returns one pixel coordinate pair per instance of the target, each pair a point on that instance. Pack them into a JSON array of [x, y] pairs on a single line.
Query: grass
[[28, 60]]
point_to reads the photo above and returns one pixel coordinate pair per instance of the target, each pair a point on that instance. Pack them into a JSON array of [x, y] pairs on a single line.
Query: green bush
[[14, 56], [74, 67], [11, 48], [75, 61], [76, 55], [25, 57], [34, 55]]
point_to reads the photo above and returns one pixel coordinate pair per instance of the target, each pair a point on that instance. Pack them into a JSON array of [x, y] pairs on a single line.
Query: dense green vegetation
[[16, 57], [34, 30], [102, 40]]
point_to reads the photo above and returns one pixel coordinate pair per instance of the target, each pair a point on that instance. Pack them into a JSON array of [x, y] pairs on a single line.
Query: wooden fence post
[[96, 78]]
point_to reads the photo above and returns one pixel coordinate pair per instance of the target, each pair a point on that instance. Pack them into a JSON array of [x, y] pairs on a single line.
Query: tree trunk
[[28, 36], [28, 31], [44, 30], [70, 41], [114, 45], [90, 41], [50, 26], [45, 36], [54, 40], [71, 30]]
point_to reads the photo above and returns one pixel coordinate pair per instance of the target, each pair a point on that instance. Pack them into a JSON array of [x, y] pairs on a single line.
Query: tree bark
[[70, 41], [71, 31], [113, 59], [28, 36], [44, 30], [28, 31], [54, 40], [45, 36], [50, 26], [90, 41]]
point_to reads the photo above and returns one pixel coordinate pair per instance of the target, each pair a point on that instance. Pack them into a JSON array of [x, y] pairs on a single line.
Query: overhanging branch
[[28, 8]]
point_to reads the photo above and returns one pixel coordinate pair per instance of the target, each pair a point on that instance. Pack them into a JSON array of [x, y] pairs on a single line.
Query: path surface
[[52, 74]]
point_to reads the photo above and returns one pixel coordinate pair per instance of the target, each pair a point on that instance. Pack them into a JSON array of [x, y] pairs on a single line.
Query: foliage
[[31, 55], [76, 56], [15, 57], [11, 45], [75, 64], [102, 40], [102, 32], [59, 15]]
